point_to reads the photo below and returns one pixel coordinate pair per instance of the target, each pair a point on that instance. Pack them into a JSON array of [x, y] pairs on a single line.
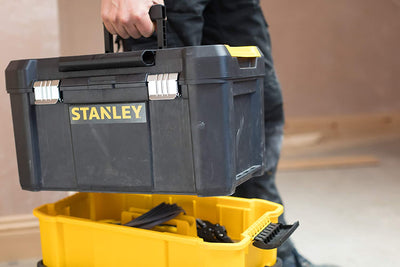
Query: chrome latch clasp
[[162, 86], [46, 92]]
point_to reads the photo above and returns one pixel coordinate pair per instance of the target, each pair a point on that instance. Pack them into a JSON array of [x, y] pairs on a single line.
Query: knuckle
[[124, 35], [135, 17], [135, 34], [147, 34], [120, 18], [105, 16], [124, 20], [138, 15], [113, 20]]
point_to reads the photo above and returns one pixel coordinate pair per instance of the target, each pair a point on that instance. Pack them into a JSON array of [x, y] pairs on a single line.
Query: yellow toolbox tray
[[76, 231]]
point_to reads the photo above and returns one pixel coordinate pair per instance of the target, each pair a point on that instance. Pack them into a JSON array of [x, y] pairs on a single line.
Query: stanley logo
[[108, 113]]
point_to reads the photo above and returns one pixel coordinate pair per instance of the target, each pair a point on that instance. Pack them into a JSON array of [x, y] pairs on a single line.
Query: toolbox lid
[[222, 62], [195, 64], [21, 74]]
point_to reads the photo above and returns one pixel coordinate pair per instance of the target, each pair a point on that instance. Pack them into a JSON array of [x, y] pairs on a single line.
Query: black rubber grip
[[273, 235], [108, 41], [158, 13]]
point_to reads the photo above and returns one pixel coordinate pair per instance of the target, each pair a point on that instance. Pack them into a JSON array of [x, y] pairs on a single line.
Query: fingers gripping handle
[[158, 14]]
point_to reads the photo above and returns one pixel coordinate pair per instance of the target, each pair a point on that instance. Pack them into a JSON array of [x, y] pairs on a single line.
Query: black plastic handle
[[273, 235], [108, 41], [143, 58], [158, 13]]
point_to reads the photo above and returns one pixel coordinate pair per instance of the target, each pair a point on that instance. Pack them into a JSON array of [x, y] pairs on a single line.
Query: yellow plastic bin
[[76, 231]]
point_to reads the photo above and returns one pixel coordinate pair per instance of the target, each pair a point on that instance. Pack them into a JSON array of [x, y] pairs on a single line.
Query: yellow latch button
[[243, 51]]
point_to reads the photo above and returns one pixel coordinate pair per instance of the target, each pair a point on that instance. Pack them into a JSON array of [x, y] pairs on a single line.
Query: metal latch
[[162, 86], [46, 92]]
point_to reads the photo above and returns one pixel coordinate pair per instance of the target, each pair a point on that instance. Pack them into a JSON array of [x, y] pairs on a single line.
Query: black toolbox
[[179, 120]]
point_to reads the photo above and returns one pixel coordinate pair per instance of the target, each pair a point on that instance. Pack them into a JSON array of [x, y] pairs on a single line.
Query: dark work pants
[[236, 23]]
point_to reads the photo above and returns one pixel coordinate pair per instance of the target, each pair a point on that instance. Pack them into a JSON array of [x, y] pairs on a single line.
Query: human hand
[[128, 17]]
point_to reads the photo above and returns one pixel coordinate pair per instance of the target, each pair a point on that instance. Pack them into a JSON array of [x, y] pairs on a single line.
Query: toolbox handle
[[273, 235], [143, 58], [130, 59], [157, 14]]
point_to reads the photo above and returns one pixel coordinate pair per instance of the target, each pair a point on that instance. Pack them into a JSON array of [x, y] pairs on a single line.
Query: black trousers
[[236, 23]]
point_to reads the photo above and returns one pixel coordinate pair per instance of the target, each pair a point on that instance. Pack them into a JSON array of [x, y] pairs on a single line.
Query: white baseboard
[[19, 237]]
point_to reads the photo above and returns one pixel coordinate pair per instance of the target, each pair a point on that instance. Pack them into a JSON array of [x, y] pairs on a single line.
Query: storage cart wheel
[[40, 264]]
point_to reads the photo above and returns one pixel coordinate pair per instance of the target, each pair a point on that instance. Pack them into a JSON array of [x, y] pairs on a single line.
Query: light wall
[[81, 28], [336, 57]]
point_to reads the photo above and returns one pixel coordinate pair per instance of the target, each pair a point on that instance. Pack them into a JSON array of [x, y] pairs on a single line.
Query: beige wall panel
[[336, 57], [81, 28], [29, 30]]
